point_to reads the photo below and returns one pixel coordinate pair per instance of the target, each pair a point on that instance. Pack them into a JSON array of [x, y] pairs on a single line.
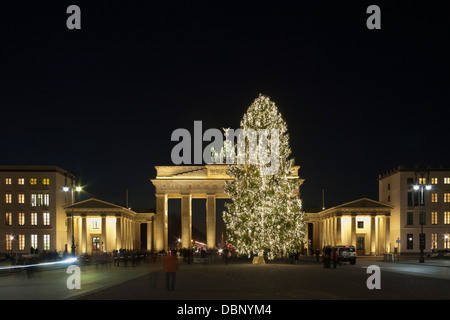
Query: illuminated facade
[[36, 212], [363, 223], [101, 226], [396, 188], [31, 208], [187, 183]]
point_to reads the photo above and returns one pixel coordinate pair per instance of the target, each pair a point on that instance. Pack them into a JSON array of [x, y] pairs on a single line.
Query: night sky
[[103, 101]]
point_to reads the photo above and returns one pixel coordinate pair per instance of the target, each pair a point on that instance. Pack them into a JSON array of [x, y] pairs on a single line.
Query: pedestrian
[[225, 255], [171, 264], [335, 258], [317, 254], [188, 252], [311, 252], [326, 257]]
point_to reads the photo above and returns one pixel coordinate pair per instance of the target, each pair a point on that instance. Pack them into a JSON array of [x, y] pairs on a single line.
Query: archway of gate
[[188, 183]]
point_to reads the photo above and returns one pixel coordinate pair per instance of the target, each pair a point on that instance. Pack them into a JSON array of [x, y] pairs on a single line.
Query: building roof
[[363, 205], [34, 169], [93, 203], [95, 206], [412, 169]]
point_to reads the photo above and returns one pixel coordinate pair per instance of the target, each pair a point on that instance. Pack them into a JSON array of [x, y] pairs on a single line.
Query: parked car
[[347, 253], [439, 253]]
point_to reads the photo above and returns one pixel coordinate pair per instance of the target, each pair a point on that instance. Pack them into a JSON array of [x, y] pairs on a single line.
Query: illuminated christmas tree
[[265, 215]]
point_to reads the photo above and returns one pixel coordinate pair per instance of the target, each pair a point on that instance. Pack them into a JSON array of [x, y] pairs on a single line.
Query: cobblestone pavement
[[280, 281], [405, 279]]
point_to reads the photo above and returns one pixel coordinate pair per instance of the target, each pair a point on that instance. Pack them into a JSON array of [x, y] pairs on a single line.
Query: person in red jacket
[[335, 257], [170, 264]]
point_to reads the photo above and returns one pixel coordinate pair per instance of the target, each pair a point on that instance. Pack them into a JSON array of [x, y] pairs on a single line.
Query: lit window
[[46, 181], [8, 242], [8, 181], [34, 200], [434, 197], [34, 241], [434, 180], [8, 198], [21, 242], [46, 199], [46, 218], [46, 242], [447, 241], [422, 180], [21, 218], [447, 217], [447, 197], [447, 180], [434, 240], [33, 181], [39, 199], [21, 198], [8, 219], [21, 181], [433, 217], [34, 219]]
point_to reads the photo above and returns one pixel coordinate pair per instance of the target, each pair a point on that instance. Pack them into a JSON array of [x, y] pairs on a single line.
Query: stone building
[[36, 212], [396, 188], [31, 208], [99, 226], [363, 223]]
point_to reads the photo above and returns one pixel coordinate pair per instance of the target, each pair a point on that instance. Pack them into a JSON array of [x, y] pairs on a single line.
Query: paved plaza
[[403, 280], [280, 281]]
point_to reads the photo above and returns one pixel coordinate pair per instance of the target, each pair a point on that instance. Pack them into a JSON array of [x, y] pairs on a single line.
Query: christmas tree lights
[[265, 215]]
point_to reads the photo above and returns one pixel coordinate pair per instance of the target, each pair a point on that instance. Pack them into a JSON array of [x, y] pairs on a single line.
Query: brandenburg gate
[[187, 183]]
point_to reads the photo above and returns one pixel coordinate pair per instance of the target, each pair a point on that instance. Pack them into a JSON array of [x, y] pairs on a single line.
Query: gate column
[[186, 220], [161, 223], [211, 221]]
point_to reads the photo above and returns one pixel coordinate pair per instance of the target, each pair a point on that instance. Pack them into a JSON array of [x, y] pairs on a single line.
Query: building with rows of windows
[[396, 188], [31, 208], [37, 211]]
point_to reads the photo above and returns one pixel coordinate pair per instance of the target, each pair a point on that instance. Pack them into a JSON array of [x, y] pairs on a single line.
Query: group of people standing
[[171, 264], [329, 255]]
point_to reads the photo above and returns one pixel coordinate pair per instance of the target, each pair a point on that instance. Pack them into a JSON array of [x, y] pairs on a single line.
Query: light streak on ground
[[65, 261]]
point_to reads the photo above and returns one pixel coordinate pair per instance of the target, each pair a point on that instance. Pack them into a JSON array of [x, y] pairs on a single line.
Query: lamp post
[[420, 185], [66, 189]]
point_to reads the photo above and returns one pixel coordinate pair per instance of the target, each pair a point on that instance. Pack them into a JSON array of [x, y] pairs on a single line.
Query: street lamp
[[66, 188], [420, 184]]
